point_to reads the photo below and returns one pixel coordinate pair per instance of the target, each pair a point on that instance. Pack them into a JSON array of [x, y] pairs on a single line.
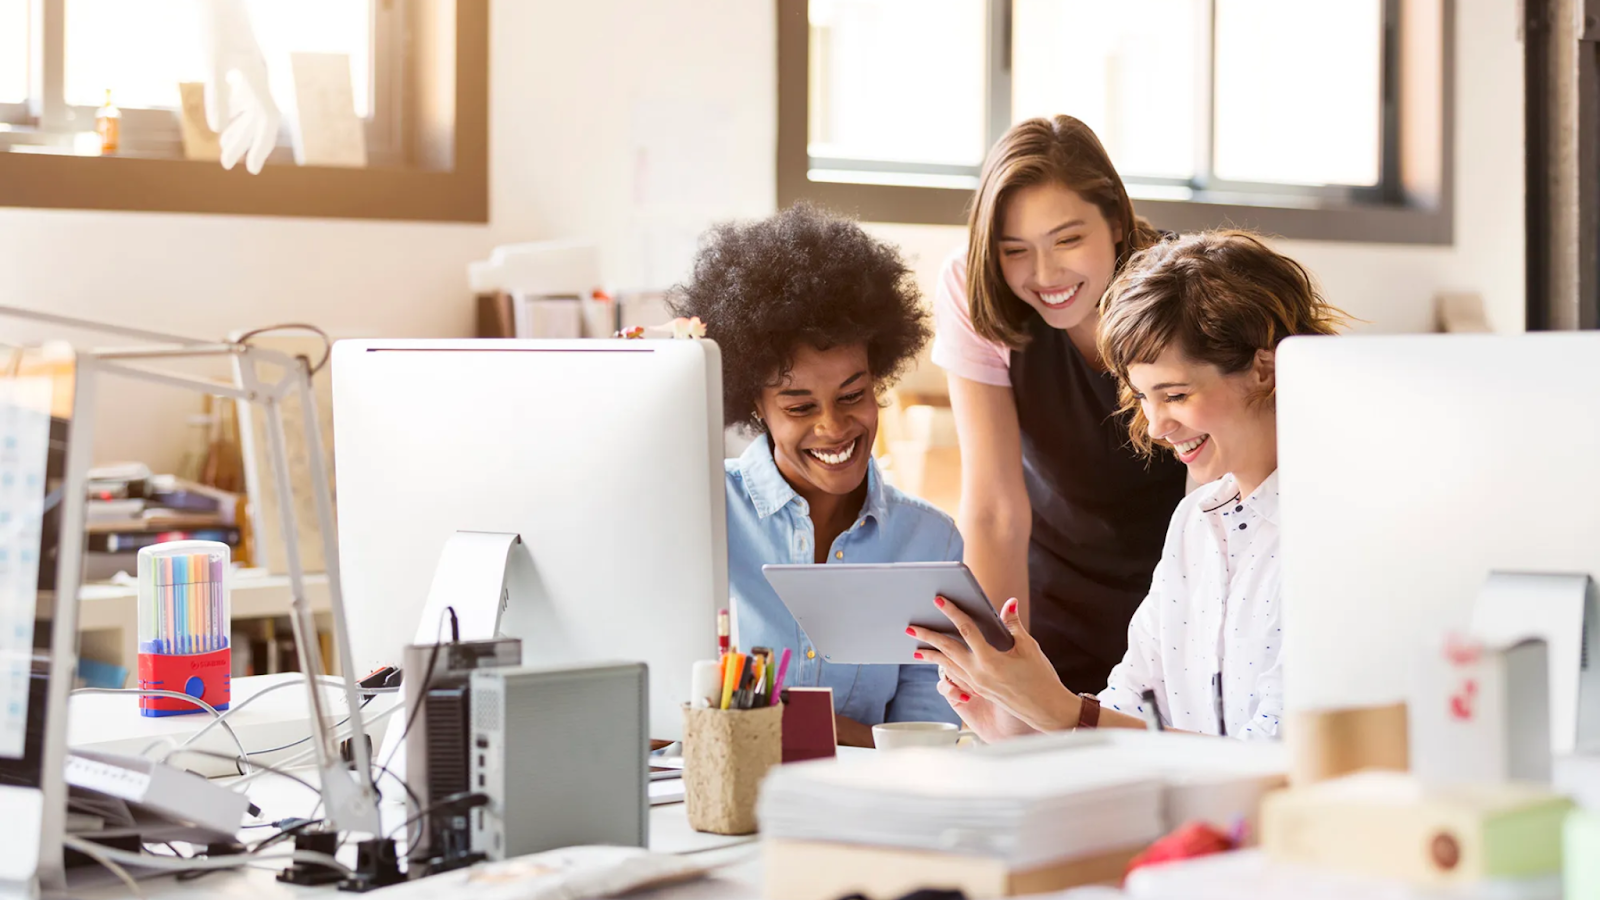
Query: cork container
[[726, 753]]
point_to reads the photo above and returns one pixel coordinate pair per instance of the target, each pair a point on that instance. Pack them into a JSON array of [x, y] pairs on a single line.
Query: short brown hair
[[1061, 151], [1219, 296]]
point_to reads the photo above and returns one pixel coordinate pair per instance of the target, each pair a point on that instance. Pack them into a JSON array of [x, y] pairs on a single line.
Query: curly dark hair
[[803, 276]]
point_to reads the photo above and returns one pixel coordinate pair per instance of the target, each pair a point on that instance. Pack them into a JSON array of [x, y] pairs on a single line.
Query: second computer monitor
[[1412, 467], [605, 456]]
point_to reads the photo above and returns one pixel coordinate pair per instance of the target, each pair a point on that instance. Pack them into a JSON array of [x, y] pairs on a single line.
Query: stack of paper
[[1025, 808], [1027, 802]]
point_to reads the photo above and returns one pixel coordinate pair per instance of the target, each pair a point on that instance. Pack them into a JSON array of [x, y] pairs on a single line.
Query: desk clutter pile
[[1051, 813], [130, 508]]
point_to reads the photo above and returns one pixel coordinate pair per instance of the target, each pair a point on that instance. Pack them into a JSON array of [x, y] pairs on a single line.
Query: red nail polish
[[911, 631], [938, 601], [916, 656], [965, 698]]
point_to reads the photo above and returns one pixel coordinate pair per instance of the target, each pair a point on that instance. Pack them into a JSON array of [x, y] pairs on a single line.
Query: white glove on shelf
[[239, 102]]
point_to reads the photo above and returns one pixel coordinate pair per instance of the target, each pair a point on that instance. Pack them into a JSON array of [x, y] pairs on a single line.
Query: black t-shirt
[[1100, 510]]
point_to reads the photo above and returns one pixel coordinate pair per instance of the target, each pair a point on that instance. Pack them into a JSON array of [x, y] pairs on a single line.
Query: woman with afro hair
[[815, 320]]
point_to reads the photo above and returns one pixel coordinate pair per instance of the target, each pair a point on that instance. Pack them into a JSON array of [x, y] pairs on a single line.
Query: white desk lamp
[[350, 797]]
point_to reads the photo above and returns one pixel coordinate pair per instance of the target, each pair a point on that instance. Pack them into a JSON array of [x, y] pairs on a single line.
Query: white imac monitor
[[605, 456], [37, 661], [1410, 468]]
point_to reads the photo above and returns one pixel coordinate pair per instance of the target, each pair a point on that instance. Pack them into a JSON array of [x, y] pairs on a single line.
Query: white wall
[[583, 96], [634, 124]]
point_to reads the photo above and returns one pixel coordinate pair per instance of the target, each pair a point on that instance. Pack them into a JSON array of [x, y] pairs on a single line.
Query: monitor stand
[[1558, 609]]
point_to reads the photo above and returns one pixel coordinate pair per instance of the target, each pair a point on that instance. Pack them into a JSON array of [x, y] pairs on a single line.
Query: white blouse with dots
[[1213, 608]]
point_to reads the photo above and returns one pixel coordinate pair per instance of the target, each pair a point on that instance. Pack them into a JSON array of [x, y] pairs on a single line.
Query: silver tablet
[[857, 614]]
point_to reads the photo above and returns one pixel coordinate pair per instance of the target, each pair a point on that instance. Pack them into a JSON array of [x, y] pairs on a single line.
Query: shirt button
[[1241, 526], [811, 654], [838, 554], [1239, 508]]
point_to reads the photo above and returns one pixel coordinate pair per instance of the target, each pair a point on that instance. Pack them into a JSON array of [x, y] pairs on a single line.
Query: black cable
[[327, 342], [276, 771], [284, 833], [336, 726], [470, 799], [455, 625], [415, 800], [422, 690]]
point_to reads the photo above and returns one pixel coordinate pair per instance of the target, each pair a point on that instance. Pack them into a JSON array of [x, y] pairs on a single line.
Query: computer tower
[[563, 755], [437, 764]]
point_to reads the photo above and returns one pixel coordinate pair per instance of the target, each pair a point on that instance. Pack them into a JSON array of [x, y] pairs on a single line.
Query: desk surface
[[735, 861], [113, 719]]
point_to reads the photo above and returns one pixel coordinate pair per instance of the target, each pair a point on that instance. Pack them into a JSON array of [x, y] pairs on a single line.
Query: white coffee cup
[[894, 735]]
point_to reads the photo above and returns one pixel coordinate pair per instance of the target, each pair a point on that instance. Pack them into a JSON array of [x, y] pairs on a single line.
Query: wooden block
[[811, 870], [1390, 825], [494, 317], [1461, 313], [1326, 744]]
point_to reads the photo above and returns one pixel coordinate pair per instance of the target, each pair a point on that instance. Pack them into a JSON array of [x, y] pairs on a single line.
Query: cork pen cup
[[726, 753]]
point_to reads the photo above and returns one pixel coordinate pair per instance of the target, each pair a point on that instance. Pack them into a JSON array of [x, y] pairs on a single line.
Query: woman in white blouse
[[1190, 327]]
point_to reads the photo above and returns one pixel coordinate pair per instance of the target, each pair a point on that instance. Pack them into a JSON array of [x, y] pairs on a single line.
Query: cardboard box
[[1391, 825]]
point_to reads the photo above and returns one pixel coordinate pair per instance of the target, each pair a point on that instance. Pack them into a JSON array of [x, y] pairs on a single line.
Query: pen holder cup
[[726, 753]]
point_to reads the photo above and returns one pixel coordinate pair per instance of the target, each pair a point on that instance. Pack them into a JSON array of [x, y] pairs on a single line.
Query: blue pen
[[180, 573]]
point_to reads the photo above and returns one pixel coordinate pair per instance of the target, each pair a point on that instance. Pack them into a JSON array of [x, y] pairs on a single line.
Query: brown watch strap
[[1088, 711]]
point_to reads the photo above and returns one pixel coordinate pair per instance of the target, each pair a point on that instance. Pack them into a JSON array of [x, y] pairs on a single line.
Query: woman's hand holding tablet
[[1020, 680]]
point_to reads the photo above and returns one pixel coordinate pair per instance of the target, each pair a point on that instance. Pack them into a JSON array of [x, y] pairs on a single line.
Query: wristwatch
[[1088, 712]]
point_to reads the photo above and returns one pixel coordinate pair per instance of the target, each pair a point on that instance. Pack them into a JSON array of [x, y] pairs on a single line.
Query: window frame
[[427, 149], [1412, 203]]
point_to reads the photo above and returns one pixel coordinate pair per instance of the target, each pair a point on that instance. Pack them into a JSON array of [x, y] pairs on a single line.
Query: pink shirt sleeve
[[957, 346]]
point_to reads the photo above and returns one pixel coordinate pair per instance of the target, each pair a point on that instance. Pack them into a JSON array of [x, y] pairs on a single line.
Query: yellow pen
[[731, 678]]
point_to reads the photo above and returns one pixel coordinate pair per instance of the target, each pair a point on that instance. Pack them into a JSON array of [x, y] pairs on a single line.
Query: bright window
[[1236, 95], [141, 49], [1299, 111], [898, 81], [1118, 67], [13, 51]]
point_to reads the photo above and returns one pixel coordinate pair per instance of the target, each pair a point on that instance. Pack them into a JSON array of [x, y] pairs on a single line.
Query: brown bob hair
[[1219, 296], [1061, 151]]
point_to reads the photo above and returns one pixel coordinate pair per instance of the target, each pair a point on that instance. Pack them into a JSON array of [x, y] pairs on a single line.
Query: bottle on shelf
[[108, 122]]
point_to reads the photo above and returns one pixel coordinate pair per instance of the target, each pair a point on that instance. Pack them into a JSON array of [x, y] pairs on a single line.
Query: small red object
[[1189, 841], [203, 676]]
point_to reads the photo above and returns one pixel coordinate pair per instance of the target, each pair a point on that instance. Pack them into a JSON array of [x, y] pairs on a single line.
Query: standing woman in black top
[[1057, 508]]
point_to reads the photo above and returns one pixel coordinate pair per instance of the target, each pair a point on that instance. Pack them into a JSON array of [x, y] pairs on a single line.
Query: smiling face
[[1215, 423], [823, 418], [1057, 253]]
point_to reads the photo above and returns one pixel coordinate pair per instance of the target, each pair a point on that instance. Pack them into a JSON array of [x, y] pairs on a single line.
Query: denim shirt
[[768, 523]]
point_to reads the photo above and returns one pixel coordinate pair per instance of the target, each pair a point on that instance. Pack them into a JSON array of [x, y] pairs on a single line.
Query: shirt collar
[[770, 491], [1222, 495]]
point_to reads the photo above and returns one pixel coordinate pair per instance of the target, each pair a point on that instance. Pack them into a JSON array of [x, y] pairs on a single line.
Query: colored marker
[[730, 677], [777, 683]]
